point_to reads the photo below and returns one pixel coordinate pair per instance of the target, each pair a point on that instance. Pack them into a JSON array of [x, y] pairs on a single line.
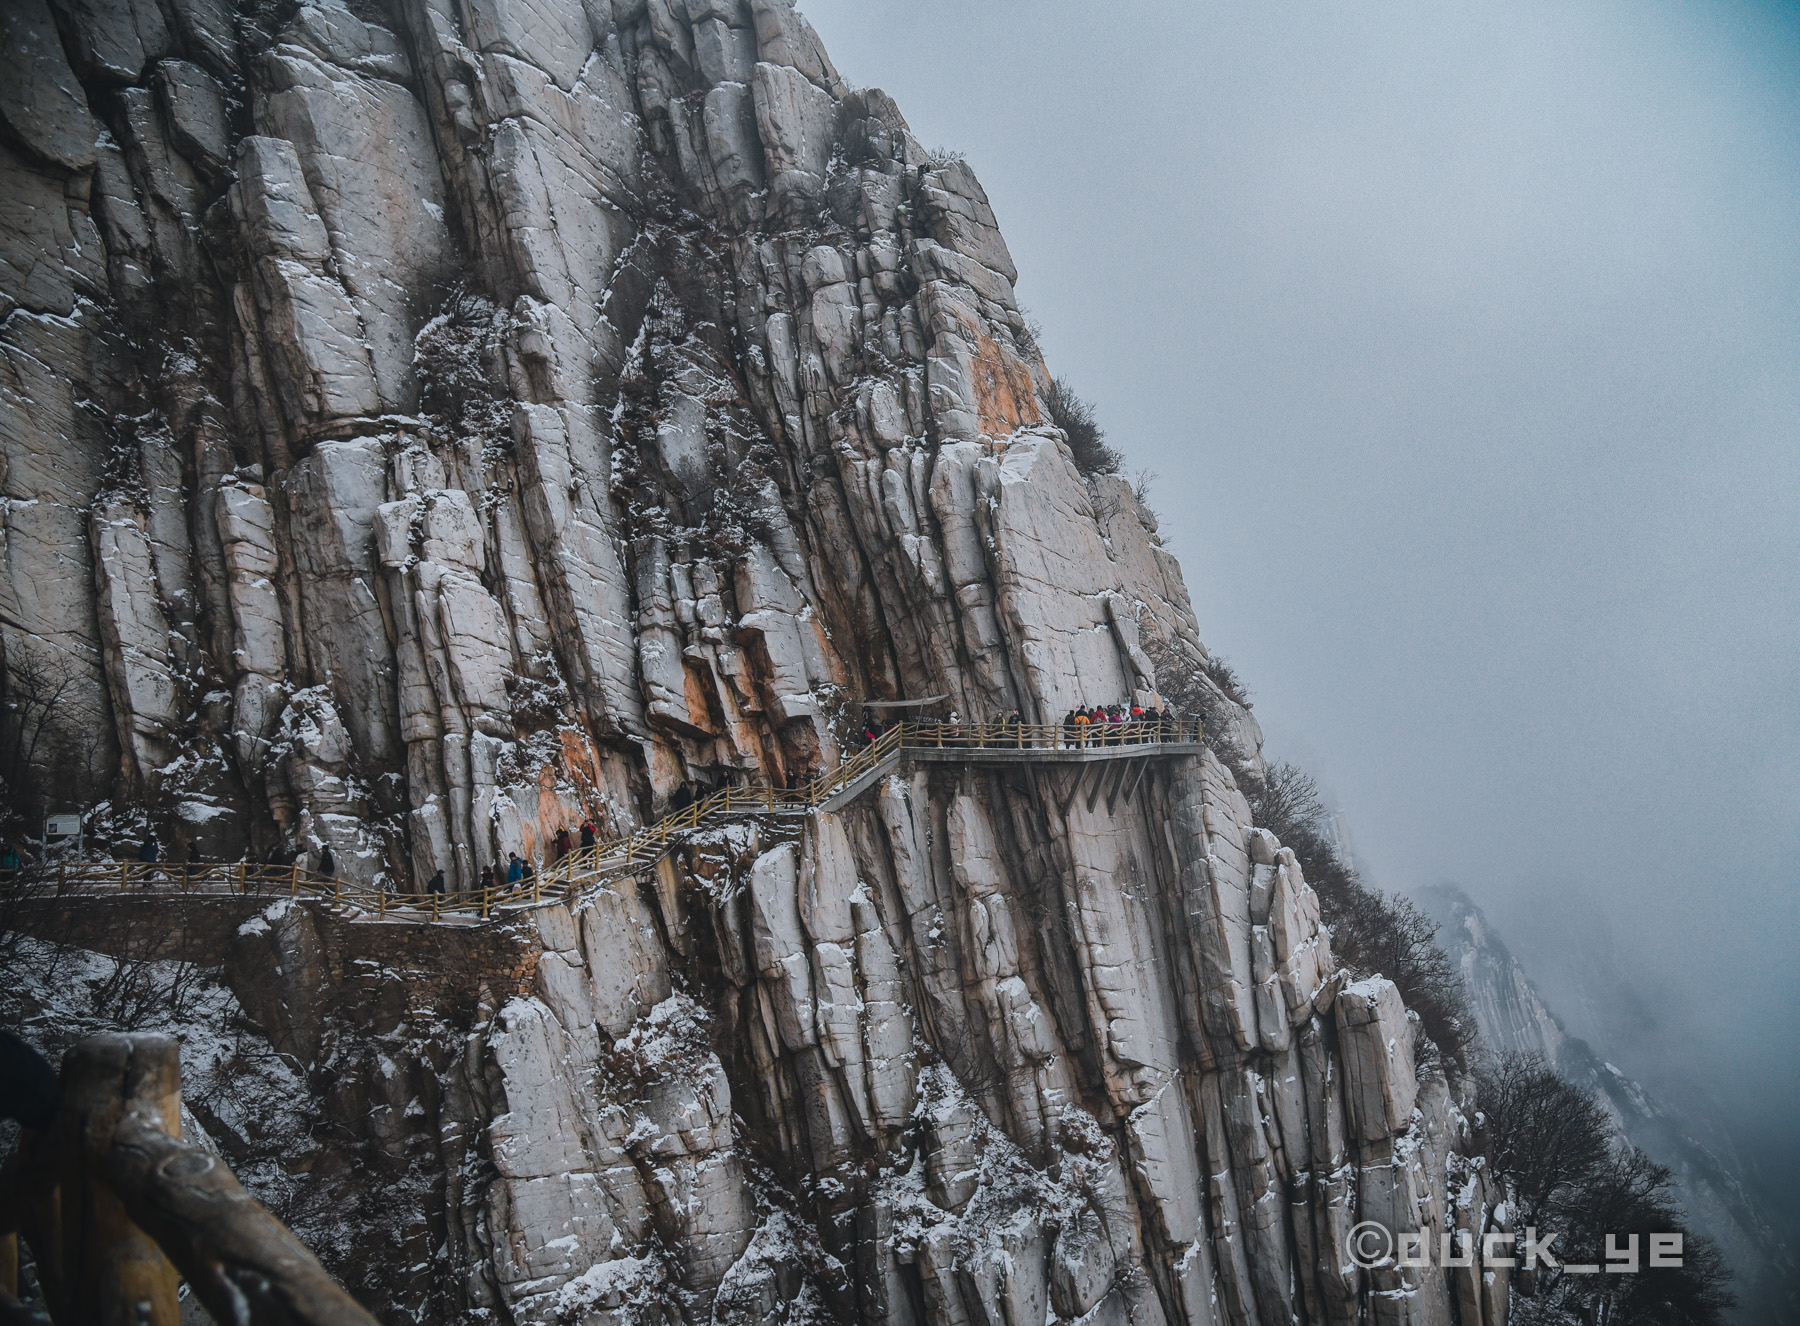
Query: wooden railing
[[118, 1209], [587, 868]]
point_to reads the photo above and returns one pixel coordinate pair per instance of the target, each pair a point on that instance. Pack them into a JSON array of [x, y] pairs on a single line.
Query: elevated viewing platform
[[589, 868]]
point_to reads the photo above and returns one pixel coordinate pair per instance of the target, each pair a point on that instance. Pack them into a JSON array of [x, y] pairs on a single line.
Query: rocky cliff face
[[429, 423]]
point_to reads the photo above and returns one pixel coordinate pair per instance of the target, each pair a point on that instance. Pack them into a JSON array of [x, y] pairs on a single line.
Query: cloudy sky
[[1464, 340]]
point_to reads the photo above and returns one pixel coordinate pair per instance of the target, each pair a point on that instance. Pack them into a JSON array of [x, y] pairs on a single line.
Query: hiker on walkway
[[1084, 723], [1137, 721], [1068, 728], [327, 862], [563, 844], [147, 855], [515, 868], [436, 884], [683, 798], [587, 833], [9, 861], [527, 874]]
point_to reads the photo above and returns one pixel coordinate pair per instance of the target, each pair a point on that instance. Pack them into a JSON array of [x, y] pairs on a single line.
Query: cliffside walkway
[[1122, 750]]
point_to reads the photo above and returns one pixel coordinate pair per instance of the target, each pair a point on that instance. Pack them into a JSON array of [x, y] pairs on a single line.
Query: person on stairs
[[587, 833], [436, 883]]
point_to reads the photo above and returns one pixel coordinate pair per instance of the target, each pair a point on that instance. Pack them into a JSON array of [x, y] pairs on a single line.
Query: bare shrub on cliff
[[457, 356], [1370, 933], [1188, 687], [1141, 485], [1087, 440], [1226, 679]]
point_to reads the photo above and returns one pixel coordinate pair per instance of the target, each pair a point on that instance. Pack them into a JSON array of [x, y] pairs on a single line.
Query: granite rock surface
[[425, 425]]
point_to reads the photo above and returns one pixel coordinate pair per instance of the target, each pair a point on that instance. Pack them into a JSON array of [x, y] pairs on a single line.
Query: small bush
[[458, 358], [1087, 440], [1225, 679]]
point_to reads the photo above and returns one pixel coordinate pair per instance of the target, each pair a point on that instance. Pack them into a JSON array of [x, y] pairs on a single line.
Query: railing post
[[115, 1273], [124, 876]]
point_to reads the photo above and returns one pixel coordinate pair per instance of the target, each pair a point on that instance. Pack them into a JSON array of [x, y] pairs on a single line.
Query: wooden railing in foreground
[[117, 1209], [592, 867]]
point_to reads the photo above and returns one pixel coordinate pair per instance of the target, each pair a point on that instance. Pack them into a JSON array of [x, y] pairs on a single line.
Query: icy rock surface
[[426, 426]]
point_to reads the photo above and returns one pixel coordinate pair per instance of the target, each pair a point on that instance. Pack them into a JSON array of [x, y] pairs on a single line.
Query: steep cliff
[[427, 424]]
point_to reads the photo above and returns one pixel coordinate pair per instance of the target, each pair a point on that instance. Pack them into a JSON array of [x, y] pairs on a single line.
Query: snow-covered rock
[[424, 427]]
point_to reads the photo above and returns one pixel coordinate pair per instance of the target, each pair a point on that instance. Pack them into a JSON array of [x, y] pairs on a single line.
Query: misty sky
[[1465, 340]]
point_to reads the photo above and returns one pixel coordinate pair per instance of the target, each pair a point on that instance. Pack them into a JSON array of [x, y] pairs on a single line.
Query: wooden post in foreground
[[114, 1272], [243, 1263]]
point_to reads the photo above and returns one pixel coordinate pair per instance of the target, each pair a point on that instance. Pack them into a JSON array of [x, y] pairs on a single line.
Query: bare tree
[[1545, 1134], [34, 695], [53, 746], [1554, 1145]]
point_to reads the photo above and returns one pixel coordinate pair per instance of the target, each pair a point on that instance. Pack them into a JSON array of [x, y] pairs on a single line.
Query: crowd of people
[[1096, 725], [1119, 725]]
